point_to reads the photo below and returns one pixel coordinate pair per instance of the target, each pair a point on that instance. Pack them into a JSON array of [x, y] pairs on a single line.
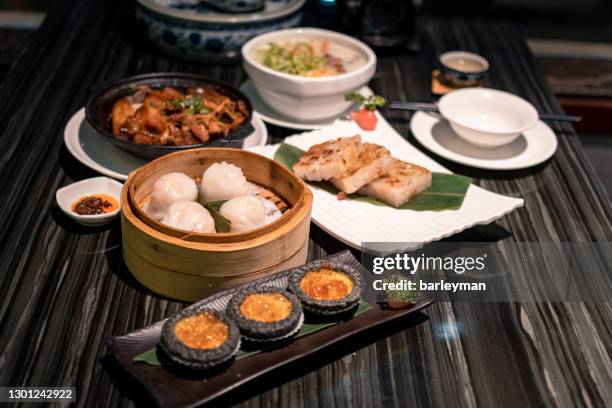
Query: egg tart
[[327, 288], [266, 313], [200, 338]]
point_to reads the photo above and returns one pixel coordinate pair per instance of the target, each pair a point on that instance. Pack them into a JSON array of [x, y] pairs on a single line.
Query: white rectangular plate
[[354, 222]]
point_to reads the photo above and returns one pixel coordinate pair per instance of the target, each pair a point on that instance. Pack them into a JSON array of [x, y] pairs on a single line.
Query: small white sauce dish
[[487, 118], [66, 197], [307, 98]]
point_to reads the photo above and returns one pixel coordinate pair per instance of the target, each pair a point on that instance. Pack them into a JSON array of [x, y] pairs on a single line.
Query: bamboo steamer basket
[[191, 266]]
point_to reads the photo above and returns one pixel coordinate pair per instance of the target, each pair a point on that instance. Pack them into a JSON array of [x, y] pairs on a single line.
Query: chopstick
[[433, 107]]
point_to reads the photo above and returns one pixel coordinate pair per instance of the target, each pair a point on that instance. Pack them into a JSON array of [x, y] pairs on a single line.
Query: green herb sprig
[[404, 296], [192, 104], [371, 103]]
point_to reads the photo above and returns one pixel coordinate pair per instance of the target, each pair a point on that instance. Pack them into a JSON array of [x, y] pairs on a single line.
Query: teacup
[[461, 68]]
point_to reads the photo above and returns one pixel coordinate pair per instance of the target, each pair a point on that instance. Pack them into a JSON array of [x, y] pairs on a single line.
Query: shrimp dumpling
[[189, 216], [272, 211], [169, 189], [244, 213], [223, 181]]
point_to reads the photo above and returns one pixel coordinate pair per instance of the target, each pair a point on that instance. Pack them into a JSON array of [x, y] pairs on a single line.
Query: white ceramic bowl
[[304, 98], [66, 196], [486, 117]]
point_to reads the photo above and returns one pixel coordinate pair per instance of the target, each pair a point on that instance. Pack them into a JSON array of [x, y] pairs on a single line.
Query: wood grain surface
[[64, 288]]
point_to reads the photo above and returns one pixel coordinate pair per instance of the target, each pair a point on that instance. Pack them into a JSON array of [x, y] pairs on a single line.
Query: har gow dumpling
[[189, 216], [170, 188], [223, 181], [272, 211], [244, 213]]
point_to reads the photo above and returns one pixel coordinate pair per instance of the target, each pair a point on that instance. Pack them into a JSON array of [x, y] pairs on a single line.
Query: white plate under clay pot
[[99, 154], [532, 147]]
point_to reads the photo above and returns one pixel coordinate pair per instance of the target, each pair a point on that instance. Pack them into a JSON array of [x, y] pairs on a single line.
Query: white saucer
[[533, 147], [271, 116], [97, 153]]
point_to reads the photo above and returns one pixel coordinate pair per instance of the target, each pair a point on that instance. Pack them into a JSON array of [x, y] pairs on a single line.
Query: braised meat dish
[[171, 117]]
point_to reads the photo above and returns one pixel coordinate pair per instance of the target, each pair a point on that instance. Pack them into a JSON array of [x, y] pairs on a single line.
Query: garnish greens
[[405, 295], [192, 104], [299, 60], [371, 103]]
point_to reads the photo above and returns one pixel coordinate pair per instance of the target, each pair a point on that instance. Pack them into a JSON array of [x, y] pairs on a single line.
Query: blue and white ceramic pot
[[189, 30]]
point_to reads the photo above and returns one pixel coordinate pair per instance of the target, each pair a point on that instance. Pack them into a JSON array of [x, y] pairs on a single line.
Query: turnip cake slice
[[373, 162], [333, 158], [400, 184]]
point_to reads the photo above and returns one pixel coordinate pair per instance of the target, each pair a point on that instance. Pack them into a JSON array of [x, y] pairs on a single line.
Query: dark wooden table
[[64, 288]]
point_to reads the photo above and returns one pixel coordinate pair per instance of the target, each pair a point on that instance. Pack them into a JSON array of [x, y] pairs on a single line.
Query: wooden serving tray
[[173, 389]]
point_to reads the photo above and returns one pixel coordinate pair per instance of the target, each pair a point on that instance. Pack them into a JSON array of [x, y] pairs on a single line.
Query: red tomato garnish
[[366, 119]]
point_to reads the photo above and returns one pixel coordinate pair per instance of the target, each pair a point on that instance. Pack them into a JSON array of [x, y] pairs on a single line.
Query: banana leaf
[[151, 357], [447, 191], [222, 224]]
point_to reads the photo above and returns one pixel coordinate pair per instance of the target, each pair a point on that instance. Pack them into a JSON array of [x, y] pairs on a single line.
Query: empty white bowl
[[307, 98], [66, 196], [486, 117]]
